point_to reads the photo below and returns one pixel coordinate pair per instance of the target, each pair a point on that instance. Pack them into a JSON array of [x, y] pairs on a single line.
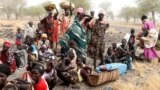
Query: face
[[124, 41], [35, 75], [80, 15], [101, 16], [92, 13], [66, 12], [114, 45], [50, 14], [55, 15], [49, 67], [71, 56], [43, 50], [109, 50], [3, 78], [5, 48], [30, 24], [44, 39]]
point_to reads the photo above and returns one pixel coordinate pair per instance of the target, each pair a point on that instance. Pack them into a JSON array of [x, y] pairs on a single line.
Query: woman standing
[[65, 21], [150, 40]]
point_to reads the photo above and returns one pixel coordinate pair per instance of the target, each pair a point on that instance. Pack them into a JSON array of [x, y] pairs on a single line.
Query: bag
[[103, 77], [66, 5]]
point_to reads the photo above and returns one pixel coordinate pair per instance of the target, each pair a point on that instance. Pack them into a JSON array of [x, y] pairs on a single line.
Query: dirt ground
[[145, 76]]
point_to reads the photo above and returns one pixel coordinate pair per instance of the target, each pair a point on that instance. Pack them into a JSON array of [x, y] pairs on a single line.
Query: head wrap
[[7, 44], [44, 35], [80, 10], [101, 12], [44, 46], [5, 69], [40, 68]]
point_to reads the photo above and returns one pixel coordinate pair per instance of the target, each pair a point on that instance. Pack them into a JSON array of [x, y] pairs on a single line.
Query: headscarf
[[44, 35], [7, 44], [40, 68], [102, 12], [80, 10], [5, 69], [44, 46]]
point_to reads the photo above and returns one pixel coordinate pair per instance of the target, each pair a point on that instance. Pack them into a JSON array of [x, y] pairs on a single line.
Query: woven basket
[[66, 5], [101, 78], [50, 7]]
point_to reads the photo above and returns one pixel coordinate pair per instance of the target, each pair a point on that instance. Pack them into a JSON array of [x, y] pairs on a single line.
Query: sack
[[50, 7], [66, 5], [103, 77]]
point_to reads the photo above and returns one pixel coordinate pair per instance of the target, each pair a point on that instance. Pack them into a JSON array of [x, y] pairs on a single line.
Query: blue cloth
[[122, 68]]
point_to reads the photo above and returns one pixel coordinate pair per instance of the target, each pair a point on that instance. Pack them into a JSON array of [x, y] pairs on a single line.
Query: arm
[[57, 11], [70, 9]]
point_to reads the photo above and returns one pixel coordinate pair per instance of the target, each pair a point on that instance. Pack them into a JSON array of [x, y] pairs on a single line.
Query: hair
[[40, 68], [50, 63], [5, 69], [132, 30], [10, 86], [143, 17]]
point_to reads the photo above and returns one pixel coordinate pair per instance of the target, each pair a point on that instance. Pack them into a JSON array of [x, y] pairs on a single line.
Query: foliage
[[147, 6], [81, 3]]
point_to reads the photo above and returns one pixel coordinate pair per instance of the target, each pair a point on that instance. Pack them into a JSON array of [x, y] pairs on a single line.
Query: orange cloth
[[65, 24], [56, 31]]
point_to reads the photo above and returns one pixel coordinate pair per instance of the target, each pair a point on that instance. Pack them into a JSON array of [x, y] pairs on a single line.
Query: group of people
[[36, 51]]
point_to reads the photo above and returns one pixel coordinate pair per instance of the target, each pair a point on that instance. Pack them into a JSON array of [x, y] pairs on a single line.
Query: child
[[124, 54], [19, 37], [110, 56], [132, 37]]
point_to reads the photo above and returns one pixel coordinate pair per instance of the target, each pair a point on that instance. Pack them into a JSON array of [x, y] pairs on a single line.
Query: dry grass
[[145, 77]]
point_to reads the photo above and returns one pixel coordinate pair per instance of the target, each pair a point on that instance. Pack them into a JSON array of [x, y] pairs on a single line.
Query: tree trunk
[[153, 16], [8, 16], [17, 16]]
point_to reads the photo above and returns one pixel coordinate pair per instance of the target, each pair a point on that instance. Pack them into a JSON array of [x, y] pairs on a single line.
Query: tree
[[35, 11], [10, 7], [130, 13], [81, 3], [105, 5], [110, 14], [38, 11], [125, 13], [19, 8], [152, 6], [7, 7]]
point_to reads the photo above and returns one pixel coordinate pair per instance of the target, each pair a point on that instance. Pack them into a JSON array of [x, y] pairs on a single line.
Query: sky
[[116, 5]]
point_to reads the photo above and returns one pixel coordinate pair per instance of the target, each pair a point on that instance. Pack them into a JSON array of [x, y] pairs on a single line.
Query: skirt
[[150, 53]]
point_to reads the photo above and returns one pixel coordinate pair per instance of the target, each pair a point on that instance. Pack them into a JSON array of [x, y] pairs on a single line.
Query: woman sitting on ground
[[45, 53], [50, 75], [36, 75], [66, 70], [83, 70], [4, 73], [43, 41]]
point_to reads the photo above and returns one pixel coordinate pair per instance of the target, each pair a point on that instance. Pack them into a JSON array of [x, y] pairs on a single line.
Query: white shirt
[[29, 31]]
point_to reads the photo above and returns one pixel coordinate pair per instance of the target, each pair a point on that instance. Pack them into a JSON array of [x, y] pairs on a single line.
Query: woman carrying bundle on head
[[66, 18]]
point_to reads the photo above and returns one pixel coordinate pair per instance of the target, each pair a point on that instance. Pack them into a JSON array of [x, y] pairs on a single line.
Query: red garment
[[47, 23], [56, 31], [41, 85], [65, 23], [9, 59]]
